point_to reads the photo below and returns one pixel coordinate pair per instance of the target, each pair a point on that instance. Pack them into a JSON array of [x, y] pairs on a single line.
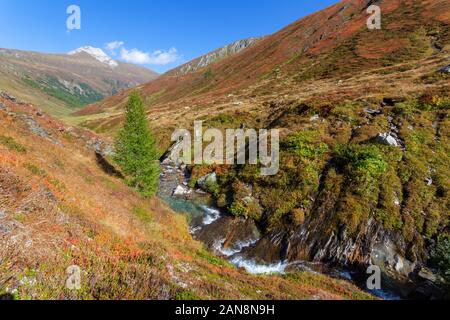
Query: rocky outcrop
[[389, 139], [215, 56], [173, 155], [207, 181]]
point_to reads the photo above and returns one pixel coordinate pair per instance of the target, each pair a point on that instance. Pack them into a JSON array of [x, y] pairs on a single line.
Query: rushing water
[[202, 215]]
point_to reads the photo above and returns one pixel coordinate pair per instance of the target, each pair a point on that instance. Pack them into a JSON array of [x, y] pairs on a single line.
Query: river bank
[[234, 239]]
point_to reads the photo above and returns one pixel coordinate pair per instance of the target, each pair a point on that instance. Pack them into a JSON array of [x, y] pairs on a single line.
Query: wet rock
[[388, 139], [270, 249], [427, 274], [229, 235], [181, 191]]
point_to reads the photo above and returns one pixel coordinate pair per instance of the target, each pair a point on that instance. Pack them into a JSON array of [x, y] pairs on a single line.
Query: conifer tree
[[136, 151]]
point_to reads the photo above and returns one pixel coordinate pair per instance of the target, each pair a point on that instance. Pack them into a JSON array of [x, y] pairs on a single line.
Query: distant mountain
[[96, 53], [62, 82], [214, 56]]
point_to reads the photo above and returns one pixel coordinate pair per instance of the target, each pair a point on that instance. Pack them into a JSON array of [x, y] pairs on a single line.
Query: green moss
[[11, 144], [36, 170], [186, 296], [441, 257], [362, 159], [305, 144], [211, 259], [142, 214]]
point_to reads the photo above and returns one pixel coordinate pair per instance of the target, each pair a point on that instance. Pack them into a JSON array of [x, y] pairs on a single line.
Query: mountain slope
[[334, 42], [67, 82]]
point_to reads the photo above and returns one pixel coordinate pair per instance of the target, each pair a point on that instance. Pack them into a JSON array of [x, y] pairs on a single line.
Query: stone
[[427, 275], [181, 191], [388, 139], [372, 111], [207, 180], [314, 118], [445, 69], [173, 156]]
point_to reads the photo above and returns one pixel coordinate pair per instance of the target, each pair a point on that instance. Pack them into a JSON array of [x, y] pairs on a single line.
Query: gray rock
[[7, 96], [173, 156], [427, 275], [445, 69], [217, 55], [389, 139], [385, 255], [207, 180], [181, 191], [372, 111], [39, 131], [2, 106], [101, 147]]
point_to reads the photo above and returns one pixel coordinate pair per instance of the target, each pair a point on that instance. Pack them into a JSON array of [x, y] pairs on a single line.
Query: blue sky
[[159, 34]]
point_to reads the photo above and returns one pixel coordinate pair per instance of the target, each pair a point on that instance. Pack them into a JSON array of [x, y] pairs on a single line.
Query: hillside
[[363, 116], [64, 83], [59, 207], [333, 43]]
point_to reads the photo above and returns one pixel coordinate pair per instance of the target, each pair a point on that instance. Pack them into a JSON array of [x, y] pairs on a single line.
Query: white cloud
[[114, 45], [158, 57]]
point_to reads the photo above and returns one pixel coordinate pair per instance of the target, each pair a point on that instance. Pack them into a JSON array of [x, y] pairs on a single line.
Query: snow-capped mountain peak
[[97, 54]]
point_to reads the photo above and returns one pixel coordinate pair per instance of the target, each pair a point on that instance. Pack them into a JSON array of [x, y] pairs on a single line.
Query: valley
[[362, 179]]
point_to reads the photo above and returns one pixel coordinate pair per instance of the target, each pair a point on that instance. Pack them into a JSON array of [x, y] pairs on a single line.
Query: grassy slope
[[18, 88], [58, 208]]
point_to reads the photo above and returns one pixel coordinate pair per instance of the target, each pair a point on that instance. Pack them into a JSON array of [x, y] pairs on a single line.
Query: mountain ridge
[[67, 82]]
